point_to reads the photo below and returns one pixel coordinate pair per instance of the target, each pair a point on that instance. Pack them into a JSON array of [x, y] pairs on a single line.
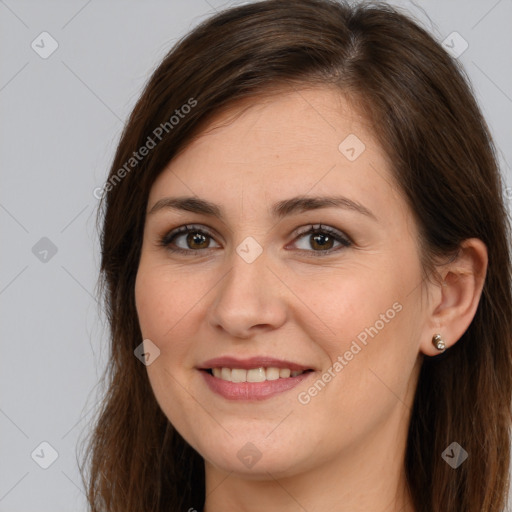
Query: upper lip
[[252, 362]]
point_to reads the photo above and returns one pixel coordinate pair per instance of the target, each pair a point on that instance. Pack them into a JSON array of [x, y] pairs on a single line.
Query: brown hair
[[429, 124]]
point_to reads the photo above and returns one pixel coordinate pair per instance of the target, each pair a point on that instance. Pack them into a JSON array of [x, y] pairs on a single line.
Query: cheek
[[162, 312], [169, 308], [370, 334], [161, 300], [355, 306]]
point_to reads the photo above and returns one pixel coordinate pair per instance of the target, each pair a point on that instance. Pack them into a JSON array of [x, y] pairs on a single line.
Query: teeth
[[272, 373], [254, 374], [238, 375], [225, 373]]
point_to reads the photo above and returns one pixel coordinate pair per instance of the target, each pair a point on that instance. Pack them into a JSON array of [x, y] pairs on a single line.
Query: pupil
[[323, 237], [196, 237]]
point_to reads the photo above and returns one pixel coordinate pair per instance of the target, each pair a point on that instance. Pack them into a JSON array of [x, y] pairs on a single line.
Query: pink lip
[[251, 390], [253, 362]]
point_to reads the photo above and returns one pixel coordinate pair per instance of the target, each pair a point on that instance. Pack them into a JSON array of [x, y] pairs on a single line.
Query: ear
[[453, 302]]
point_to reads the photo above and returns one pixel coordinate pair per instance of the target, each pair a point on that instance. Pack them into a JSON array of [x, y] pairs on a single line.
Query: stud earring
[[438, 342]]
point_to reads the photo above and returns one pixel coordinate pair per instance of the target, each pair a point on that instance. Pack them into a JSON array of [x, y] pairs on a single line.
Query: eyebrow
[[279, 210]]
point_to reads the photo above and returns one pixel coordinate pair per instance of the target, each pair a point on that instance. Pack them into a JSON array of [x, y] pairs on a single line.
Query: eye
[[322, 239], [193, 239]]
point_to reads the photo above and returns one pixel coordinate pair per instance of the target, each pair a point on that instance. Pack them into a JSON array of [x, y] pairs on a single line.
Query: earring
[[438, 342]]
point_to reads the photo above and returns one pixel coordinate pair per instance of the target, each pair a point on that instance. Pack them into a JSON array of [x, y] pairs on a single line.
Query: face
[[288, 328]]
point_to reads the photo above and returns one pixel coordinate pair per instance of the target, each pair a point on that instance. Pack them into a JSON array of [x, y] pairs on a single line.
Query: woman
[[307, 274]]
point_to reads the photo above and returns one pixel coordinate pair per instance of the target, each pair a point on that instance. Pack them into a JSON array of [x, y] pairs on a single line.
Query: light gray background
[[61, 118]]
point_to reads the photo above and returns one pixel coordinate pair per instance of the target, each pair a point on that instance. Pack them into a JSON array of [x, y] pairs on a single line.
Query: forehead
[[286, 143], [296, 123]]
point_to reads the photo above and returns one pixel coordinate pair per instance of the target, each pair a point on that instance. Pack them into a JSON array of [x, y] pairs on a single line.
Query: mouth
[[258, 378]]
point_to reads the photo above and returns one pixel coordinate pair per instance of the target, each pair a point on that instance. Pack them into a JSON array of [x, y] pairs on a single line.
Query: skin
[[343, 450]]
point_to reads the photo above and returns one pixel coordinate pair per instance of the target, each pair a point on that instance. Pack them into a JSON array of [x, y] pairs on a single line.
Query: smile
[[253, 379]]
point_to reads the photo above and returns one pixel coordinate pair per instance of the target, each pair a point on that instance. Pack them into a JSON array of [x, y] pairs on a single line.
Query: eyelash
[[338, 236]]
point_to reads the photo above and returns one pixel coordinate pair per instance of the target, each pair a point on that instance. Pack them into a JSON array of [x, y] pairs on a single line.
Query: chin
[[254, 462]]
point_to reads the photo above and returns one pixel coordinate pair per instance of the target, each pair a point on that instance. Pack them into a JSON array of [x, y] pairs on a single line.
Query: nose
[[249, 299]]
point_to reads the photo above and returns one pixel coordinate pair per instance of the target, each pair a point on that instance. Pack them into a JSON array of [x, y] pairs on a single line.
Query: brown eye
[[187, 239], [196, 237], [322, 240]]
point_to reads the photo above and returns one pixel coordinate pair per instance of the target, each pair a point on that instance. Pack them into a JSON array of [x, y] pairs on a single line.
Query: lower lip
[[252, 390]]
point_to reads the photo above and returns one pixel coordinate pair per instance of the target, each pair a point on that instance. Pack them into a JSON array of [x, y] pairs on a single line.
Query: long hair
[[427, 121]]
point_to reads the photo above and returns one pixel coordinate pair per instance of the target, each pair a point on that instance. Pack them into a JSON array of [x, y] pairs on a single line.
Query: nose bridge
[[248, 295], [247, 274]]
